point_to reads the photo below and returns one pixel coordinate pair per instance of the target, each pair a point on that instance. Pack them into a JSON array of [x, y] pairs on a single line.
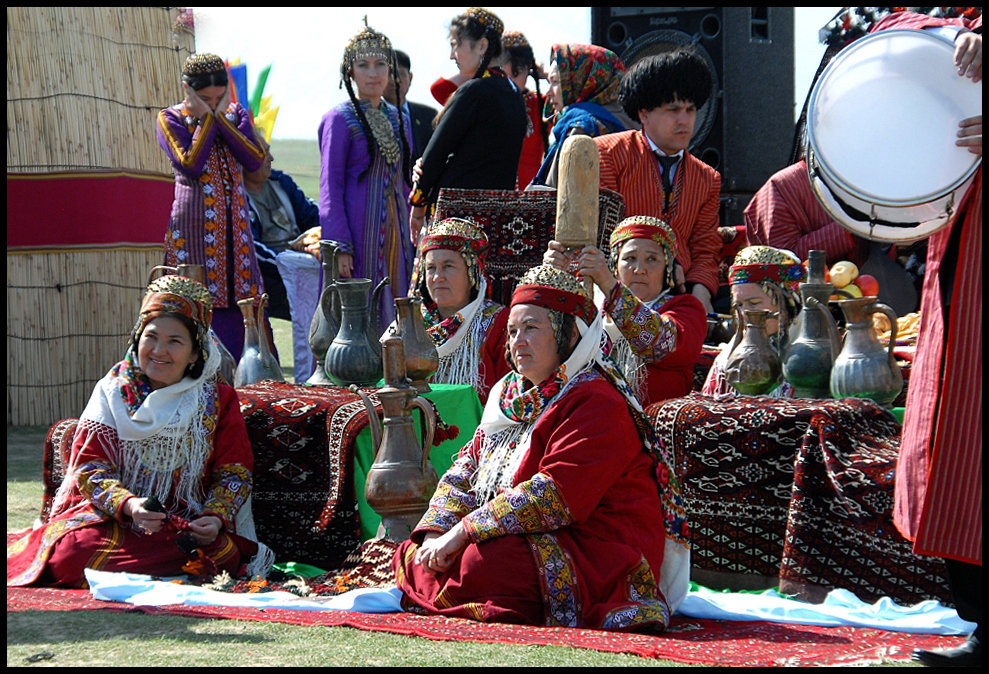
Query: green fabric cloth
[[458, 406], [299, 569]]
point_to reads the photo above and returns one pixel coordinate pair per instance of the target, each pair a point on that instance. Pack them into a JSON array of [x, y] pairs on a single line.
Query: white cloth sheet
[[840, 608]]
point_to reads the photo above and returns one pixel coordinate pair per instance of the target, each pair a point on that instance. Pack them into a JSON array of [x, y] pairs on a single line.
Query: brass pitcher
[[228, 364], [813, 342], [326, 319], [354, 355], [864, 368], [421, 358], [257, 362], [401, 480], [753, 366]]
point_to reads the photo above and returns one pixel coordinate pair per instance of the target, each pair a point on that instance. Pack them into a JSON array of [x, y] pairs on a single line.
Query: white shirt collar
[[655, 148]]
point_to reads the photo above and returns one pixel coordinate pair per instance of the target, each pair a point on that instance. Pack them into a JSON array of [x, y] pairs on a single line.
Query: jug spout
[[372, 418]]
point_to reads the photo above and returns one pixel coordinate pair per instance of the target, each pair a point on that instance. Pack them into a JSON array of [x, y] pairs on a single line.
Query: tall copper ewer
[[421, 359], [401, 480]]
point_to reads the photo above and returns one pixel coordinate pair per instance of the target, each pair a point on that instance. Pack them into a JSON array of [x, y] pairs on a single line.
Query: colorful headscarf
[[487, 19], [645, 227], [177, 295], [765, 264], [464, 236], [588, 74], [554, 289]]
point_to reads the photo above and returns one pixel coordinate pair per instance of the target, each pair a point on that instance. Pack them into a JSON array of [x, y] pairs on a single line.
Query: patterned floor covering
[[689, 640]]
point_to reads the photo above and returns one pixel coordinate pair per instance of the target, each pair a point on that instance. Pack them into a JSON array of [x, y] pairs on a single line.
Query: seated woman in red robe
[[657, 333], [467, 327], [160, 472], [560, 510]]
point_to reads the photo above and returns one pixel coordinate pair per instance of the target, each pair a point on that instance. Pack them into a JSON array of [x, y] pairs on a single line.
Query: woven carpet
[[689, 640], [796, 489]]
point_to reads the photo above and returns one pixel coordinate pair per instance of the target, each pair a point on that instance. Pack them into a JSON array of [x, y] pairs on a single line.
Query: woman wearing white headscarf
[[561, 510]]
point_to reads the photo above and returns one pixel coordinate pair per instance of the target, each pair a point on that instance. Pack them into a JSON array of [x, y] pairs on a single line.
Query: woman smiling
[[160, 470], [479, 132]]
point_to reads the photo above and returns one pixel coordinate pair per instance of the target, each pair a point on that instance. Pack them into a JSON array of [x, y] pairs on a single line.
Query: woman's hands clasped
[[438, 552], [194, 104]]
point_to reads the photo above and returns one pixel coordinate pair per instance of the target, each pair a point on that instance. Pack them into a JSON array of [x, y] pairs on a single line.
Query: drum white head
[[881, 132]]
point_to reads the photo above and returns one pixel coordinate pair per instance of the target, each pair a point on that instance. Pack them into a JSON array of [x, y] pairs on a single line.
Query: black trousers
[[965, 581]]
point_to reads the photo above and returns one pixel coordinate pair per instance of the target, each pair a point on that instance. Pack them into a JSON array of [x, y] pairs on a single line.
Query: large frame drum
[[881, 132]]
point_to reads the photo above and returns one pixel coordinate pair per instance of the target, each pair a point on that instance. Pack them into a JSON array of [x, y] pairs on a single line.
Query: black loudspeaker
[[745, 130]]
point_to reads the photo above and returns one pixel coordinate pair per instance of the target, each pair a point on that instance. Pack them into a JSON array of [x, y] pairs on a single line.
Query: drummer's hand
[[593, 264], [679, 279], [970, 134], [205, 529], [145, 520], [968, 55], [701, 292], [558, 256]]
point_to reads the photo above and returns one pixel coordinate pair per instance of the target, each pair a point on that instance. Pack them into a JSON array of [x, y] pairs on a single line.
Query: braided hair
[[346, 76]]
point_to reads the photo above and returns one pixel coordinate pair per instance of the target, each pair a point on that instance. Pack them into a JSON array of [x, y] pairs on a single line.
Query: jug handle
[[817, 305], [891, 315], [372, 418], [375, 318], [784, 323], [326, 302], [165, 268], [430, 428], [739, 328]]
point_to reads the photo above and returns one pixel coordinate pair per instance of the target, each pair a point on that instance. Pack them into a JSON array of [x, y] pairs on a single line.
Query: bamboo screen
[[85, 84], [84, 87]]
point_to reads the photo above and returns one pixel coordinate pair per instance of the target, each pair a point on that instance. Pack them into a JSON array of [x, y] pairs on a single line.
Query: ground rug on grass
[[688, 640]]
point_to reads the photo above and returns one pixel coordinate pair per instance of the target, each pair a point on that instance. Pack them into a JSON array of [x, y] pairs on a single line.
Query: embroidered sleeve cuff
[[535, 505], [231, 489], [98, 484], [651, 335]]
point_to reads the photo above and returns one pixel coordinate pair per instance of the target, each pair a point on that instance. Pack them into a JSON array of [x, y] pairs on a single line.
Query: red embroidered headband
[[556, 290]]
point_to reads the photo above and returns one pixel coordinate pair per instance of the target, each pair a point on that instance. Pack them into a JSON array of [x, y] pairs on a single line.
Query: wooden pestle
[[577, 195]]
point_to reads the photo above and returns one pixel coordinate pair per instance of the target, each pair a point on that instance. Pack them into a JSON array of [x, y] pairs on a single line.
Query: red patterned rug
[[689, 640]]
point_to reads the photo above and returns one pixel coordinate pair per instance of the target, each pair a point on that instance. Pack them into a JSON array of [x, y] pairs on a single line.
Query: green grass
[[299, 159]]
